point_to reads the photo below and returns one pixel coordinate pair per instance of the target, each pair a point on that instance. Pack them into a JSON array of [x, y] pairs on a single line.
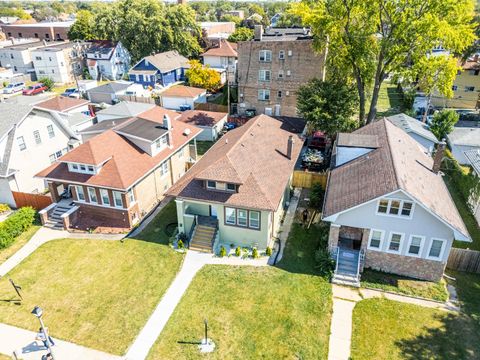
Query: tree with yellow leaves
[[202, 76]]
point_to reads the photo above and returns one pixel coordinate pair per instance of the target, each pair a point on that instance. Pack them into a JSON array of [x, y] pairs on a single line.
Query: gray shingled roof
[[473, 157], [126, 108], [110, 88], [167, 61], [411, 125], [12, 113], [142, 128], [466, 136]]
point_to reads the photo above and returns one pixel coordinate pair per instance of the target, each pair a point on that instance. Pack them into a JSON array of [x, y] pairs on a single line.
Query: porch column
[[52, 186], [365, 235], [179, 204], [333, 236]]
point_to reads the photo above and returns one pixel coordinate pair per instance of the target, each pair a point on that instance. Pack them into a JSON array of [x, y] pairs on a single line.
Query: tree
[[373, 39], [202, 76], [231, 18], [443, 123], [17, 12], [241, 34], [328, 105], [48, 82], [83, 27]]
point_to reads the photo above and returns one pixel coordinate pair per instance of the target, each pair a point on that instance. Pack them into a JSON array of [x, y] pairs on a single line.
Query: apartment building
[[56, 30], [17, 56], [272, 67]]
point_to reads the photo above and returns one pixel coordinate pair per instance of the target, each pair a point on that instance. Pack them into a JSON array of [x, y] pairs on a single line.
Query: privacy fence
[[37, 201], [307, 179], [464, 260]]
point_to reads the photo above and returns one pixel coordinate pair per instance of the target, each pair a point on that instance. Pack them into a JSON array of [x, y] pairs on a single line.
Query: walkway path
[[23, 343], [344, 300]]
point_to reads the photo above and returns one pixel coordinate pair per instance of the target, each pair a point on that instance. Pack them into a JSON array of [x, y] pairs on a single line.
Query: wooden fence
[[139, 99], [307, 179], [37, 201], [211, 107], [464, 260]]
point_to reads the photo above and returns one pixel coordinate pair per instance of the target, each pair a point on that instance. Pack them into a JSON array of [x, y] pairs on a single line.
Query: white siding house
[[463, 139]]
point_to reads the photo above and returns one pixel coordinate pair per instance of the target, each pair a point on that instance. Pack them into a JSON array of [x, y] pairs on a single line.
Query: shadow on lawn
[[456, 338]]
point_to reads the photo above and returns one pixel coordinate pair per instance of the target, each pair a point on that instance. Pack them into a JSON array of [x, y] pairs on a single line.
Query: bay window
[[105, 197], [80, 193]]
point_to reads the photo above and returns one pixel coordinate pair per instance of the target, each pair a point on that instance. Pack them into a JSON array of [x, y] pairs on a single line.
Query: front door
[[213, 211]]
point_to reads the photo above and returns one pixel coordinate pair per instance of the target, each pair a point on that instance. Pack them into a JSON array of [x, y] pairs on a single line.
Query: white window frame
[[115, 199], [442, 251], [382, 238], [265, 56], [164, 169], [246, 217], [89, 189], [21, 143], [400, 245], [234, 187], [262, 94], [290, 53], [131, 196], [399, 215], [281, 54], [82, 191], [211, 187], [262, 75], [37, 137], [250, 219], [422, 242], [104, 195], [226, 217]]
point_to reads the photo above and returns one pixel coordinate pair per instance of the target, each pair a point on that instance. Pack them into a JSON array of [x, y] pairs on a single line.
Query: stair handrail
[[360, 259], [338, 259]]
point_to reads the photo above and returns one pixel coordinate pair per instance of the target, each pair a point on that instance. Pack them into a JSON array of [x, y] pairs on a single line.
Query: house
[[222, 58], [463, 139], [61, 62], [110, 93], [236, 193], [272, 67], [210, 122], [119, 176], [388, 206], [180, 97], [30, 139], [473, 157], [465, 87], [161, 69], [57, 30], [107, 59], [418, 130], [18, 57], [124, 109], [214, 30]]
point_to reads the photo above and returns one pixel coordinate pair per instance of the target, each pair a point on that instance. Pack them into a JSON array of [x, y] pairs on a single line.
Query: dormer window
[[394, 207], [162, 142], [211, 184], [231, 187], [81, 168]]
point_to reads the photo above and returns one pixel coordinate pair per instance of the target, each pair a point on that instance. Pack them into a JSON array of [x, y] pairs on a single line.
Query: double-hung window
[[281, 54], [394, 207], [376, 238], [117, 199], [131, 196], [242, 217], [105, 197], [230, 216], [164, 169], [395, 243], [211, 184], [436, 249], [92, 194], [231, 187], [263, 94], [415, 245], [254, 219], [80, 193], [264, 75], [265, 56], [36, 135], [21, 143], [383, 206]]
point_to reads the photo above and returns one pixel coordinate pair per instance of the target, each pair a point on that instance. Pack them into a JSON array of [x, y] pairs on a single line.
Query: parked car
[[14, 87], [71, 92], [318, 141], [35, 89]]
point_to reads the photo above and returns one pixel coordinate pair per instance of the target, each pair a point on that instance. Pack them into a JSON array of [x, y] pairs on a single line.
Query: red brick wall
[[36, 32]]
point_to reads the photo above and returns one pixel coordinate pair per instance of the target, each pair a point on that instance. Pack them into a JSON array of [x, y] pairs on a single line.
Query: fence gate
[[37, 201]]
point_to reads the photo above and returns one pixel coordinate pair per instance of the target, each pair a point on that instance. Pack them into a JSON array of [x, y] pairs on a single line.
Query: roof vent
[[186, 132], [226, 141]]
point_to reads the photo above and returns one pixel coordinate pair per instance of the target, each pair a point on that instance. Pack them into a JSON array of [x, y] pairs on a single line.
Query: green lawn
[[389, 100], [385, 329], [203, 146], [404, 285], [468, 290], [254, 312], [97, 293], [18, 243]]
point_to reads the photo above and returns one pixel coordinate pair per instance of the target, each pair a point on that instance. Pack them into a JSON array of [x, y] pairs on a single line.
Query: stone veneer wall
[[333, 236], [418, 268]]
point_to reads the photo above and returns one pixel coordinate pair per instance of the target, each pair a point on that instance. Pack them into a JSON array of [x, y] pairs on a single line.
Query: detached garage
[[182, 98], [210, 122]]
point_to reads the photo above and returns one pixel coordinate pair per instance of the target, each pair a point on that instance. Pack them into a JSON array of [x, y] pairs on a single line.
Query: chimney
[[258, 32], [167, 123], [437, 158], [290, 147]]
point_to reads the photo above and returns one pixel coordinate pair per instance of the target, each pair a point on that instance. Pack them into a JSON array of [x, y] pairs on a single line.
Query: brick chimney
[[258, 32], [290, 147], [437, 158]]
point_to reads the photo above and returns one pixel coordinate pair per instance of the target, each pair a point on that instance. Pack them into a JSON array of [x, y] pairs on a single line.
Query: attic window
[[231, 187], [394, 207], [211, 184]]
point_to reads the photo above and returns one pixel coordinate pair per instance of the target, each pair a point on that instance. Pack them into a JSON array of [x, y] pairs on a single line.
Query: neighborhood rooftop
[[224, 48], [61, 103], [167, 61], [201, 117], [183, 91], [465, 136], [126, 108], [411, 125], [473, 157]]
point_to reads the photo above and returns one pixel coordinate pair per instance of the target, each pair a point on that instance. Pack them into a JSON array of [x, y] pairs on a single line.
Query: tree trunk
[[373, 105], [361, 97]]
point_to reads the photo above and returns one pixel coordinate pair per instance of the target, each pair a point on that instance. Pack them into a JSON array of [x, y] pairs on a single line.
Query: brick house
[[272, 67], [114, 179], [388, 206]]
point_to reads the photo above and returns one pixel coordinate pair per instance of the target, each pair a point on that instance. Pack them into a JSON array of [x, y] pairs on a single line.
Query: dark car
[[35, 89]]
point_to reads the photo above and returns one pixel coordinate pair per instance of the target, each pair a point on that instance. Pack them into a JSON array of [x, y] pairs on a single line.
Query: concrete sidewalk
[[23, 342]]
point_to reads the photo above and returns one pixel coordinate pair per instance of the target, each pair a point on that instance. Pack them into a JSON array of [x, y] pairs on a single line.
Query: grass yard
[[468, 290], [203, 146], [385, 329], [97, 293], [389, 100], [254, 312], [404, 285], [18, 243]]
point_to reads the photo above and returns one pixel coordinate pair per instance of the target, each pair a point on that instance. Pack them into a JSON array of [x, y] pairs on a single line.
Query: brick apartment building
[[271, 68], [48, 31]]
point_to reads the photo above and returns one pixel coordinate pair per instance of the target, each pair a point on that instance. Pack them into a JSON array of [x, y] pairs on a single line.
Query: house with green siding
[[236, 193]]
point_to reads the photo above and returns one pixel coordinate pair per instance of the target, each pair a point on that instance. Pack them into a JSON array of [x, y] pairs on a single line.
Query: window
[[265, 56], [254, 219], [38, 58], [20, 35], [21, 143], [74, 166], [263, 94], [415, 245], [164, 169], [90, 168], [231, 187], [406, 208], [83, 168], [264, 75], [181, 153], [279, 94], [376, 238], [36, 135], [105, 197], [53, 71], [41, 72], [242, 217], [454, 87], [382, 206], [117, 199], [289, 73], [230, 216], [280, 74], [290, 53], [49, 58], [436, 249], [36, 35], [131, 196], [58, 153], [281, 54], [92, 194], [395, 242], [52, 158], [51, 132], [80, 193], [469, 88], [162, 142], [394, 207], [211, 184]]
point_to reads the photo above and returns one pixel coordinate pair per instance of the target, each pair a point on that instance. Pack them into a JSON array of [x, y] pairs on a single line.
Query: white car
[[14, 87]]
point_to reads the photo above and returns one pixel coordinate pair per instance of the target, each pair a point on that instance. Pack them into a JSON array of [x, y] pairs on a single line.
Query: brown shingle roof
[[357, 140], [253, 155], [224, 48], [61, 103], [399, 163], [183, 91], [201, 118]]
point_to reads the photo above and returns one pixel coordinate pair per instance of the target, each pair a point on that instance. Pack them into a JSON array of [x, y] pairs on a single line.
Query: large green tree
[[84, 26], [328, 105], [241, 34], [373, 39]]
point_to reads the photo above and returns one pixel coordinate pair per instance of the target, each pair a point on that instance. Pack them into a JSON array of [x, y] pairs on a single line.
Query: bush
[[238, 251], [180, 244], [223, 252], [4, 208], [15, 225], [324, 262], [255, 253], [268, 251], [316, 197], [47, 82]]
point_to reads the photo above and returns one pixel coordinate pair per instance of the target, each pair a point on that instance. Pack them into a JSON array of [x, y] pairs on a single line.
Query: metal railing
[[361, 257], [192, 230], [338, 259]]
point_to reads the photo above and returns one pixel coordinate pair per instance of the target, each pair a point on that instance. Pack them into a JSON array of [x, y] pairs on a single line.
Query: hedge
[[14, 225]]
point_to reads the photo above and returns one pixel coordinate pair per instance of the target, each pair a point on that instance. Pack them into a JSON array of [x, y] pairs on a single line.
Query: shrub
[[47, 82], [15, 225], [316, 197], [324, 262], [4, 208], [268, 251], [238, 251], [223, 252], [180, 244], [255, 253]]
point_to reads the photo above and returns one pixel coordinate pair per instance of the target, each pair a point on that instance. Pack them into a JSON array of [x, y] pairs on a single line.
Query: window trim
[[281, 55], [37, 137], [264, 78], [248, 227], [263, 91], [225, 216], [211, 187], [21, 145], [78, 192], [245, 217], [422, 243], [400, 209], [400, 245], [89, 188], [102, 193], [259, 219], [382, 238], [265, 52], [115, 199], [442, 251]]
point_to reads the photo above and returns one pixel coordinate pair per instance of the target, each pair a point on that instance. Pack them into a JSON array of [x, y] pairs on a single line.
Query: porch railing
[[338, 258], [192, 229]]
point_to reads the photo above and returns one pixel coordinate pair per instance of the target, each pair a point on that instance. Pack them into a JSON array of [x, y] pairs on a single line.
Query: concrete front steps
[[55, 218], [202, 239], [346, 272]]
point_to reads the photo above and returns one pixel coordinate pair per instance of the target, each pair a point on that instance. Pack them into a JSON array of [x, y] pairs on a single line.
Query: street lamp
[[38, 312]]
